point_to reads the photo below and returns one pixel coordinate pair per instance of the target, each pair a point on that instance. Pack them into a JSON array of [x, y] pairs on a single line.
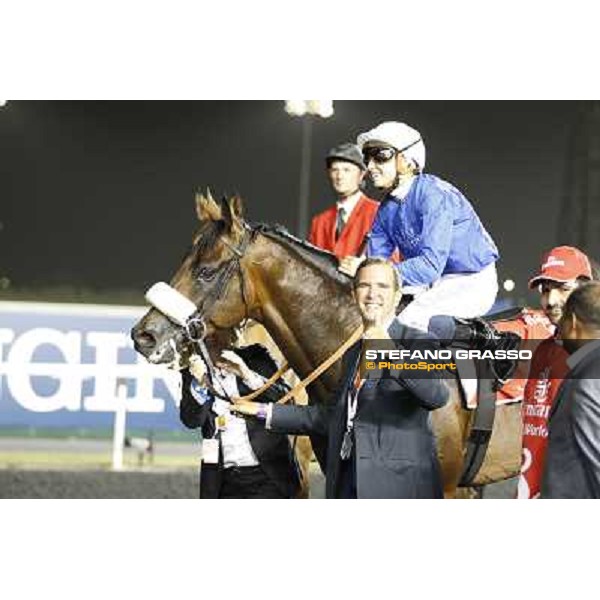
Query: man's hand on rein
[[243, 407]]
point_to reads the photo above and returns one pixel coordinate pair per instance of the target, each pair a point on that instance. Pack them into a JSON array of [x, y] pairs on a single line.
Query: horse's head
[[211, 276]]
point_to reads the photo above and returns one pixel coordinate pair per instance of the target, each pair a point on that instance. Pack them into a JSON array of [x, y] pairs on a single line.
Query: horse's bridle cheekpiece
[[191, 317], [195, 325]]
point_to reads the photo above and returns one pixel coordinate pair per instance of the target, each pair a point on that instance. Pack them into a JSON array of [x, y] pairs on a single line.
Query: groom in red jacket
[[342, 228]]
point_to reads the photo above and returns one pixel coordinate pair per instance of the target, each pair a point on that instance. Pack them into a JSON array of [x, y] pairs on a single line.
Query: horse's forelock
[[207, 237]]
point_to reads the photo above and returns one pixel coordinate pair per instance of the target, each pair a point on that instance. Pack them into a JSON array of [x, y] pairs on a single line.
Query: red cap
[[563, 263]]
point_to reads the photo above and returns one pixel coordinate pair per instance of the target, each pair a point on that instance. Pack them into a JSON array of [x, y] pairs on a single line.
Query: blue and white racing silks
[[435, 228]]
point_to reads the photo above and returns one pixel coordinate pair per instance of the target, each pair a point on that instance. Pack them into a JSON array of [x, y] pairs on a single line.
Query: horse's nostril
[[143, 340]]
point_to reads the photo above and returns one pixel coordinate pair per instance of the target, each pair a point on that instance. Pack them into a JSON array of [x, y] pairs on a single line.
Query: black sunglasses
[[379, 155]]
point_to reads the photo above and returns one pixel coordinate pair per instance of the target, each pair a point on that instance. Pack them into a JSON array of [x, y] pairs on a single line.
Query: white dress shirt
[[237, 450], [348, 204]]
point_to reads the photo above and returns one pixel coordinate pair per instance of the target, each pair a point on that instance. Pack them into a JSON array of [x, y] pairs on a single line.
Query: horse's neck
[[306, 310]]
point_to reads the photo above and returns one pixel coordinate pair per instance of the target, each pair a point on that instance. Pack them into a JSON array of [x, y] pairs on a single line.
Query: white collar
[[349, 203], [580, 354], [402, 190]]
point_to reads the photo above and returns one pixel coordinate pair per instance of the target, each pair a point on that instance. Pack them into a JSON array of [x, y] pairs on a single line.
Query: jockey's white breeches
[[463, 295]]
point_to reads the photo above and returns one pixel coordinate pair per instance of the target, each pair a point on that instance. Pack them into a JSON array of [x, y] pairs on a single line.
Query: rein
[[324, 365], [356, 335]]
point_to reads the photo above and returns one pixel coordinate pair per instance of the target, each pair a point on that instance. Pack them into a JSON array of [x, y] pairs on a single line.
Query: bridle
[[195, 327]]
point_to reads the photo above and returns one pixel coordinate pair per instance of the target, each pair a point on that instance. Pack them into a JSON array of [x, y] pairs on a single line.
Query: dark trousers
[[347, 484], [241, 482]]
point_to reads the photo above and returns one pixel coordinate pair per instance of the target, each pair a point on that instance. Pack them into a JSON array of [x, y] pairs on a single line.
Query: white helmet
[[402, 137]]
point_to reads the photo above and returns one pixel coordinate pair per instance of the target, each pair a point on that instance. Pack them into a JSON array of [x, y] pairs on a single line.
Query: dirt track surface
[[93, 481], [33, 483]]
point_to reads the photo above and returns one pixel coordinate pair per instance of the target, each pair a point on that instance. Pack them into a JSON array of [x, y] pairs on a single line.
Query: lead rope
[[356, 335], [324, 365]]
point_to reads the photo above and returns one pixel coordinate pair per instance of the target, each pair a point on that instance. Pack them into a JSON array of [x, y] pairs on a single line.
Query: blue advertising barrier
[[61, 365]]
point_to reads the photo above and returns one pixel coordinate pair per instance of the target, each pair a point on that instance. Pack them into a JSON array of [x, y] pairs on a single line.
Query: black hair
[[584, 303]]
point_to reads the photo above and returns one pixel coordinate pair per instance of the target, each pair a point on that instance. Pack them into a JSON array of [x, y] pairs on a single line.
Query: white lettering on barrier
[[104, 399], [68, 393], [6, 337], [19, 368]]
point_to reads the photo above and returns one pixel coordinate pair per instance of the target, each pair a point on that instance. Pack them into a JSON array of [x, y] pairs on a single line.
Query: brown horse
[[235, 271]]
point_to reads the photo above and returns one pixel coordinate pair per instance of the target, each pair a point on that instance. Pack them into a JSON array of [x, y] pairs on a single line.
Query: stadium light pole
[[306, 109]]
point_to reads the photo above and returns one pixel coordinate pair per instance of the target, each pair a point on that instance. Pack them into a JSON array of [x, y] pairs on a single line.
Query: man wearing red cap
[[563, 269]]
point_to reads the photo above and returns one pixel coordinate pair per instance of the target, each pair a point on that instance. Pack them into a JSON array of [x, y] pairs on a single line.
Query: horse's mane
[[211, 230], [321, 259]]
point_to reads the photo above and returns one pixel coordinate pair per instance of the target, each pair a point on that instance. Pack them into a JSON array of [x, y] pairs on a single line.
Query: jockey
[[448, 256]]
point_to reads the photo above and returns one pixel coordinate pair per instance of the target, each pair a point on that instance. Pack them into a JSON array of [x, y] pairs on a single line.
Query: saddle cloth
[[532, 326]]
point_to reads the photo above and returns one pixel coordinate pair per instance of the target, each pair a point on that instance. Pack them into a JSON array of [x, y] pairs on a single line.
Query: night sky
[[100, 194]]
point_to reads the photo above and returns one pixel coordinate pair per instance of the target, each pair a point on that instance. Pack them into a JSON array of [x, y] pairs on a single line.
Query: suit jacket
[[273, 451], [572, 468], [394, 447], [351, 242]]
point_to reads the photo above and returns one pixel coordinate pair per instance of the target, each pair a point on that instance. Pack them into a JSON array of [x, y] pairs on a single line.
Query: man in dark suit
[[380, 443], [248, 462], [572, 468]]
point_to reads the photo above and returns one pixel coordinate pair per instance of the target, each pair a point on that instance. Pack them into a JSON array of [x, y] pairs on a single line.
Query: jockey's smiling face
[[554, 295], [376, 291], [384, 165], [345, 177]]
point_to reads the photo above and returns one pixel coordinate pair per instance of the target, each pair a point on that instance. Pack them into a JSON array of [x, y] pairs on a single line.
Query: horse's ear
[[232, 211], [206, 208], [237, 207]]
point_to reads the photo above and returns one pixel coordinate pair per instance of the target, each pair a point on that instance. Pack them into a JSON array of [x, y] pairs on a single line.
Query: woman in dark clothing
[[240, 458]]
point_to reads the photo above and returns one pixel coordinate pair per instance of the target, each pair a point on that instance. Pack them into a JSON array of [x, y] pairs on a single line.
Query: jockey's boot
[[470, 334], [477, 334]]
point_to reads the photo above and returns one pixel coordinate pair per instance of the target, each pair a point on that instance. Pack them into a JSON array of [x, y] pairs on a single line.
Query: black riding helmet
[[347, 152]]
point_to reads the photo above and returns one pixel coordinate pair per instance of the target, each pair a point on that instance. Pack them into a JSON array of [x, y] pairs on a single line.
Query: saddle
[[513, 329], [494, 382], [532, 327]]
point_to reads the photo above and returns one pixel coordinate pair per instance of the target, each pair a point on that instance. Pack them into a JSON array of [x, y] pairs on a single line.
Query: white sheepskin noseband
[[170, 302]]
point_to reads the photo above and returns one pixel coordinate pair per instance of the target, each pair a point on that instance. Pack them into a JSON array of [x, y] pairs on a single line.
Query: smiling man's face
[[375, 293]]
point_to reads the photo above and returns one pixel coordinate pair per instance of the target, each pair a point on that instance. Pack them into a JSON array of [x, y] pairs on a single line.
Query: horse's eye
[[206, 273]]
